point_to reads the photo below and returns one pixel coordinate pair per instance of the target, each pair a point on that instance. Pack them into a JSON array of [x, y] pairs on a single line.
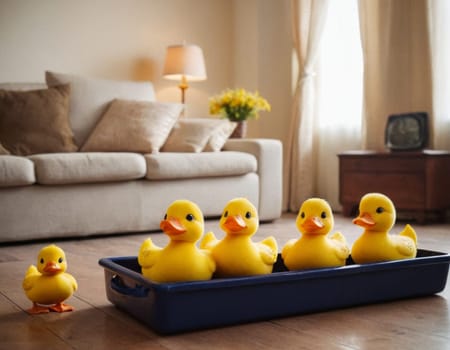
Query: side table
[[417, 182]]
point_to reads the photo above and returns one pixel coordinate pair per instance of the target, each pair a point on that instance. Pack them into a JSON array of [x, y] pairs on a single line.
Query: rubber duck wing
[[72, 281], [337, 236], [408, 231], [340, 243], [287, 247], [30, 276], [208, 241], [210, 260], [148, 253], [405, 246], [269, 250], [406, 241]]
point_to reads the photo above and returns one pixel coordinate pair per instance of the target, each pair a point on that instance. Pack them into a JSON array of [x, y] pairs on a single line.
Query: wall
[[263, 44], [246, 43], [115, 39], [397, 66]]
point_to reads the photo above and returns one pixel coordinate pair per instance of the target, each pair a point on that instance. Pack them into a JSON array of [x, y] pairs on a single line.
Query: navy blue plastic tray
[[185, 306]]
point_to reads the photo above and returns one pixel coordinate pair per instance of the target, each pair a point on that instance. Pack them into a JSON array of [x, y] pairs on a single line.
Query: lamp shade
[[184, 61]]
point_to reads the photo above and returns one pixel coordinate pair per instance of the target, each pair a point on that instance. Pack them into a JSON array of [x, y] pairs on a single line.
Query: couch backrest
[[89, 97], [22, 86]]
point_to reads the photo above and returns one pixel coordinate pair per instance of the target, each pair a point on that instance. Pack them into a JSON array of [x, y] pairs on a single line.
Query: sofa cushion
[[36, 121], [198, 134], [133, 126], [193, 165], [16, 171], [89, 98], [62, 168]]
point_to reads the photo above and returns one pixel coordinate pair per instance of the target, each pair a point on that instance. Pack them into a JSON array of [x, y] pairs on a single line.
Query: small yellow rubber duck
[[48, 285], [181, 260], [377, 215], [236, 254], [315, 248]]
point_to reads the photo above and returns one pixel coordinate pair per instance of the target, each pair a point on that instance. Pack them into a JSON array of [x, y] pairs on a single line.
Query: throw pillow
[[36, 121], [224, 128], [90, 97], [198, 134], [133, 126]]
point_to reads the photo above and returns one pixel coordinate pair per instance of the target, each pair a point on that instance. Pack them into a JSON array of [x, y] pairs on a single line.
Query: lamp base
[[183, 87]]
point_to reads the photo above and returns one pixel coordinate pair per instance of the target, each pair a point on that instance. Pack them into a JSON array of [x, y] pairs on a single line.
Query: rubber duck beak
[[172, 227], [52, 268], [235, 223], [364, 220], [312, 225]]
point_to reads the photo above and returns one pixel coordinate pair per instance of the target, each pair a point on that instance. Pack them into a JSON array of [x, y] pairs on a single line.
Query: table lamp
[[184, 62]]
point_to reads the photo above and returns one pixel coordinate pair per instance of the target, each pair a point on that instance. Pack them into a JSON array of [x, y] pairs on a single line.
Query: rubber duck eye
[[248, 215], [225, 214], [302, 215], [42, 260], [60, 260], [189, 217], [380, 210], [165, 217], [323, 215]]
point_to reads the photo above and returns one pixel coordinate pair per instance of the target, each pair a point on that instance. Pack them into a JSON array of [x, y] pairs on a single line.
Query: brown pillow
[[133, 126], [36, 121]]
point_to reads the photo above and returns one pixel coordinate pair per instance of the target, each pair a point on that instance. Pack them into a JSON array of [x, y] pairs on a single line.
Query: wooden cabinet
[[417, 182]]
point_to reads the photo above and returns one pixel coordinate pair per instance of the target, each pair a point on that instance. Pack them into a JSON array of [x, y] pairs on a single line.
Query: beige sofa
[[89, 192]]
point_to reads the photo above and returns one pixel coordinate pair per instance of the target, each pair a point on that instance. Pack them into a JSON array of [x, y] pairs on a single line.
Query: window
[[339, 95], [341, 68]]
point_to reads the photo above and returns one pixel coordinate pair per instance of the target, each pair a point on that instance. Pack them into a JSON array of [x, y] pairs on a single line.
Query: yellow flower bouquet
[[238, 104]]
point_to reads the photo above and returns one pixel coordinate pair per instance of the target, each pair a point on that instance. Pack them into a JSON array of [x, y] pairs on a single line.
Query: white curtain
[[439, 30], [339, 95], [328, 97], [395, 43], [344, 94], [308, 20]]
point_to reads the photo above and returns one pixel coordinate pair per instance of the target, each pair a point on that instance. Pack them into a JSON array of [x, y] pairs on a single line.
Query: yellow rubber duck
[[315, 248], [377, 215], [48, 285], [236, 254], [181, 260]]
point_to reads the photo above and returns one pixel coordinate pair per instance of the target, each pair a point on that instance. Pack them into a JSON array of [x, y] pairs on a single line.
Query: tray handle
[[119, 286]]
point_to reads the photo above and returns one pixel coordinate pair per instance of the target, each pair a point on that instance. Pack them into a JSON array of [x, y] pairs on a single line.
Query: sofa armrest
[[269, 155]]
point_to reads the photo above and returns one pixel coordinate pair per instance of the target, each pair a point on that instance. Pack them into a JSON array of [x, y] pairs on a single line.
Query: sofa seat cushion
[[168, 165], [16, 171], [75, 168]]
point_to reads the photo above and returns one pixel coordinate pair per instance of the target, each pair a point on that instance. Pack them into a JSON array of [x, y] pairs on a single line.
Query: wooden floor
[[422, 323]]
